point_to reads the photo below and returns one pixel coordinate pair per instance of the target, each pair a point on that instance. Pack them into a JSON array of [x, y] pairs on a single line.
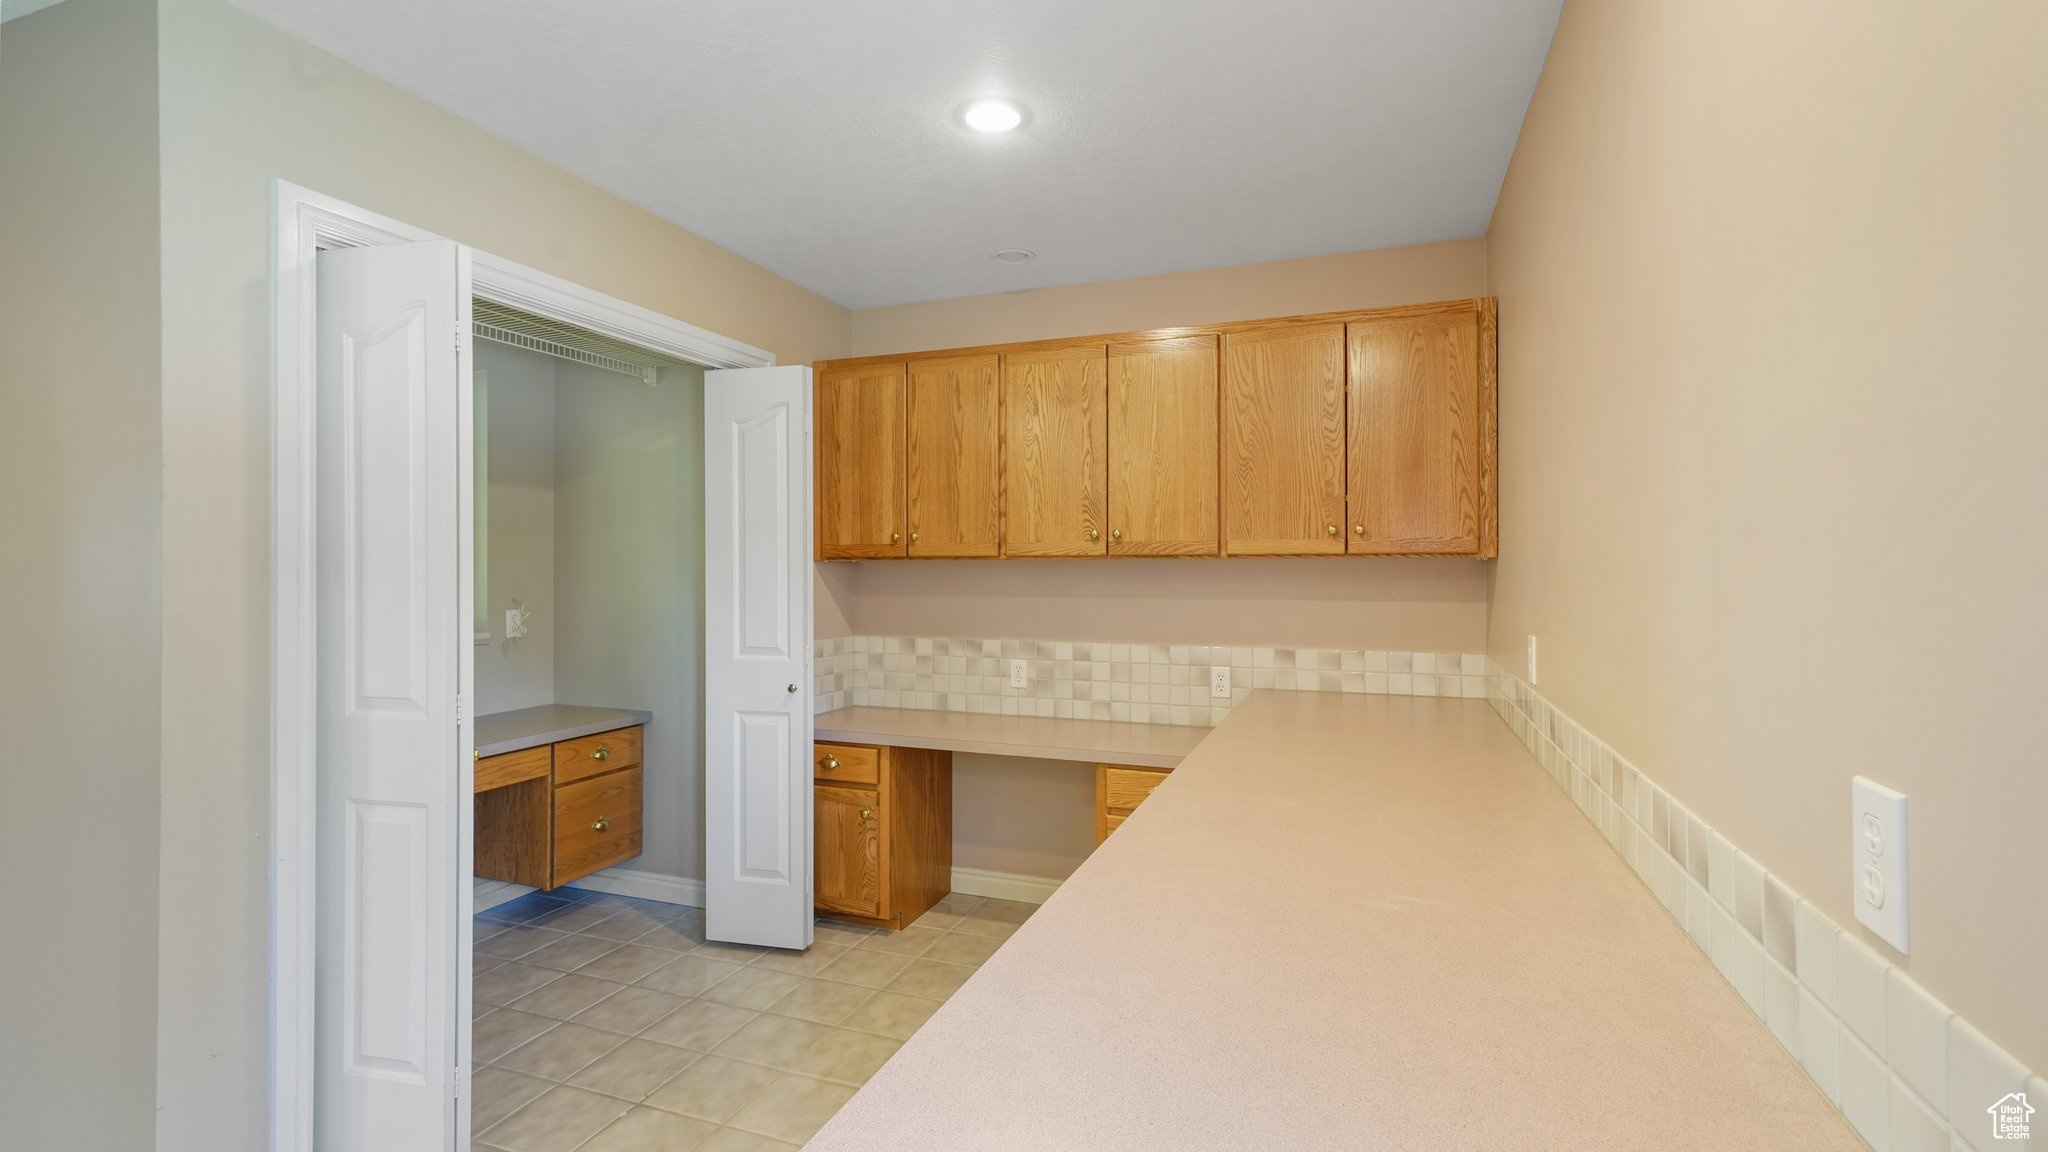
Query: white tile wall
[[1909, 1074], [1145, 683]]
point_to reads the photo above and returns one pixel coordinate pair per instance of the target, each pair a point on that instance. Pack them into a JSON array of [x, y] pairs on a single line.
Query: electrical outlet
[[1532, 659], [1219, 683], [1878, 850], [1020, 674], [515, 623]]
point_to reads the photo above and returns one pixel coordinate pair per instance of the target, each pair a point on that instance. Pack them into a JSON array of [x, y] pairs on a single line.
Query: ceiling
[[821, 138]]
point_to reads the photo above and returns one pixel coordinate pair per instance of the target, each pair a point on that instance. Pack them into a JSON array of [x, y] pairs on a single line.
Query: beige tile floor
[[606, 1024]]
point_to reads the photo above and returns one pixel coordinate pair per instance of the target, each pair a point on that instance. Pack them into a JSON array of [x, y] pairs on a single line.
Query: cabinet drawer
[[513, 767], [1111, 823], [1125, 788], [597, 823], [848, 764], [590, 755]]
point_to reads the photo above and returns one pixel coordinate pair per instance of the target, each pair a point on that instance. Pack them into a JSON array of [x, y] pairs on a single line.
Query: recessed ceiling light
[[1016, 256], [992, 116]]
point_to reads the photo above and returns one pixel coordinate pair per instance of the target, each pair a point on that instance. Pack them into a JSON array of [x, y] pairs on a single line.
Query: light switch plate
[[1877, 839]]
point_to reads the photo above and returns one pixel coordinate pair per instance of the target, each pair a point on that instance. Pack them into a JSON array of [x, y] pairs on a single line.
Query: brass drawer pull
[[601, 824], [829, 763], [602, 753]]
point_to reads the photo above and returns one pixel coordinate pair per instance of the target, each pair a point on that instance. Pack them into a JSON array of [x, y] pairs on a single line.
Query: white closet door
[[757, 644], [393, 641]]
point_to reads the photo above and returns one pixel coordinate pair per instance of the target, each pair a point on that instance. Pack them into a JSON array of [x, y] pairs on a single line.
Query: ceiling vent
[[503, 324]]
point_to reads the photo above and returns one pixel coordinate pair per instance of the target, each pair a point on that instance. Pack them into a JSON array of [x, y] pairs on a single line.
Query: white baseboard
[[491, 893], [644, 886], [678, 890], [1004, 885]]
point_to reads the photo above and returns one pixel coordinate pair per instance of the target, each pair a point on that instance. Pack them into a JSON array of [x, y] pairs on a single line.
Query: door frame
[[303, 222]]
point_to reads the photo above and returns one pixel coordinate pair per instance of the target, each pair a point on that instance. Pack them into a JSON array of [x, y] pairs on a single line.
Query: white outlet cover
[[1020, 674], [1532, 658], [1877, 849], [1219, 682]]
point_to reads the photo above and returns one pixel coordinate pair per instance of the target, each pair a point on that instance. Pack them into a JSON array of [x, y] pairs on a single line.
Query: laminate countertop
[[1043, 737], [502, 732], [1346, 922]]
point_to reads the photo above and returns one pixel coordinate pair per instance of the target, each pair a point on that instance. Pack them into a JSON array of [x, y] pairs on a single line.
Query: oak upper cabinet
[[1055, 472], [1421, 420], [858, 415], [1283, 440], [1162, 447], [953, 456]]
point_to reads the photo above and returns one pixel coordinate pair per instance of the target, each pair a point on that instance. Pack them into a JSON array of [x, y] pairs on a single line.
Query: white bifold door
[[394, 671], [757, 644]]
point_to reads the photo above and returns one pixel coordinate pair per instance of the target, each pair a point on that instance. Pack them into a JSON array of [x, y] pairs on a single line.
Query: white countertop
[[502, 732], [1346, 922], [1042, 737]]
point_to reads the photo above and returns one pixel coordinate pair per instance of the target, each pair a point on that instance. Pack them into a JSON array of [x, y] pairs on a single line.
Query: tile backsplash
[[1145, 683], [1909, 1074]]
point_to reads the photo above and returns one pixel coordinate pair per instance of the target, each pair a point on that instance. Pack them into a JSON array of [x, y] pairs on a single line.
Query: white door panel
[[393, 631], [757, 640]]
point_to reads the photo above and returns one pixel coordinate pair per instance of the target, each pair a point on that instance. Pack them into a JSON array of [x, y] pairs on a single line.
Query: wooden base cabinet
[[558, 812], [1119, 791], [883, 841]]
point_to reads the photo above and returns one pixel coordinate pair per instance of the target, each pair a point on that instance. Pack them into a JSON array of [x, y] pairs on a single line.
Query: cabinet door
[[1283, 440], [848, 848], [1415, 443], [1054, 440], [858, 422], [1162, 448], [953, 456]]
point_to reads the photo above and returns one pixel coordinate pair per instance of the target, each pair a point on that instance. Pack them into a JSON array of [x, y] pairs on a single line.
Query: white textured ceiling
[[820, 138]]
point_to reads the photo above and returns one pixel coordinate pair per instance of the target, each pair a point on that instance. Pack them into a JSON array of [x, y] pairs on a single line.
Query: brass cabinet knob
[[895, 537], [913, 537], [1116, 533], [829, 763], [601, 824], [602, 753], [1358, 529], [1330, 528], [1093, 535], [867, 813]]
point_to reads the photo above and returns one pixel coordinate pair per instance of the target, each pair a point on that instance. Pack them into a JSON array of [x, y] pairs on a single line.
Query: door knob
[[601, 824], [792, 687], [867, 813]]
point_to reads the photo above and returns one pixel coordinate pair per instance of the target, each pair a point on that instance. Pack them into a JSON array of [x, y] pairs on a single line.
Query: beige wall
[[519, 533], [1399, 603], [82, 629], [241, 104], [1380, 278], [629, 582], [1772, 280], [1355, 602]]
